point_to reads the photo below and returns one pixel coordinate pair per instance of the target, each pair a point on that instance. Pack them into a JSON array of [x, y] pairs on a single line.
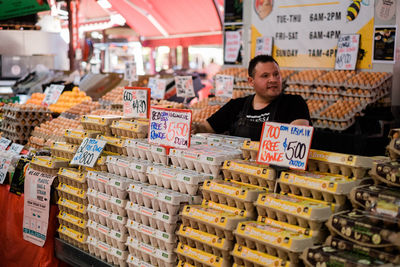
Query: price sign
[[157, 87], [184, 86], [4, 143], [88, 152], [285, 145], [4, 165], [347, 52], [52, 93], [16, 148], [130, 72], [170, 127], [264, 46], [224, 85], [136, 102]]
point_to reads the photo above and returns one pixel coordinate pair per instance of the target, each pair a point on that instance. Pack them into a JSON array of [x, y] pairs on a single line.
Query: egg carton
[[272, 240], [71, 207], [364, 228], [212, 221], [108, 202], [250, 173], [73, 237], [244, 256], [105, 234], [348, 118], [149, 217], [320, 186], [184, 264], [129, 129], [151, 254], [394, 145], [118, 165], [345, 164], [212, 138], [72, 177], [209, 243], [15, 127], [333, 125], [108, 183], [63, 150], [76, 223], [232, 210], [307, 213], [231, 194], [387, 172], [106, 252], [48, 164], [115, 145], [250, 149], [139, 148], [198, 257], [98, 180], [370, 94], [76, 136], [99, 123], [134, 261], [151, 236], [72, 193], [387, 79], [160, 154]]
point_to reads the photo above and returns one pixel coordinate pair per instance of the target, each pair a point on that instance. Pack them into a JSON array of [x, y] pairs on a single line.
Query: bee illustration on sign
[[354, 9], [263, 8]]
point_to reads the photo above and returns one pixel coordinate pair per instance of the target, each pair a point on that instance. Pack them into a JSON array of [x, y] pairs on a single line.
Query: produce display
[[69, 99], [85, 107], [36, 98]]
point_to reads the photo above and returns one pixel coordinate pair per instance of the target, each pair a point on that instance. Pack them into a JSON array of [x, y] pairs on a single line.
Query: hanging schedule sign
[[130, 72], [184, 86], [136, 102], [158, 87], [88, 152], [264, 45], [224, 85], [285, 145], [347, 52]]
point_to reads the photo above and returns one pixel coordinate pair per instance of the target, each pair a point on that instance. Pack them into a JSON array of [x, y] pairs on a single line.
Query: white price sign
[[224, 85], [285, 145], [52, 93], [170, 127], [184, 86], [4, 165], [16, 148], [347, 52], [264, 45], [157, 87], [136, 102], [88, 152], [4, 143], [130, 72]]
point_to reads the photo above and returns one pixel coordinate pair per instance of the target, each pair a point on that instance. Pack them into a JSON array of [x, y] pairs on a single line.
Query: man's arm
[[301, 122], [203, 127]]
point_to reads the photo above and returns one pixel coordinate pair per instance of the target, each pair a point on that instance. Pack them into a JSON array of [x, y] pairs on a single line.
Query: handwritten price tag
[[4, 165], [4, 143], [224, 85], [347, 52], [285, 145], [88, 152], [157, 87], [130, 72], [184, 86], [52, 93], [136, 102], [16, 148], [170, 127], [264, 45]]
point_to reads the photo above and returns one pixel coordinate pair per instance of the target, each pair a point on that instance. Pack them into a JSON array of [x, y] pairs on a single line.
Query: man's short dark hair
[[258, 59]]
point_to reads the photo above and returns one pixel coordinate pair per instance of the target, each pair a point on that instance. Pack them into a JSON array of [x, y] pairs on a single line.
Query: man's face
[[266, 80]]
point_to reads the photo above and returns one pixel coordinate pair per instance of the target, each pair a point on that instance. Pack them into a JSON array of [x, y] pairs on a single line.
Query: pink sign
[[232, 45]]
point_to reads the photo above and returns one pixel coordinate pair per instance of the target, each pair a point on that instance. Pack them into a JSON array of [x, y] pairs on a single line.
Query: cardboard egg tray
[[63, 150], [319, 186], [48, 164], [231, 194], [115, 145], [73, 208], [272, 240], [76, 136], [108, 202], [149, 217], [73, 222], [212, 221], [105, 234], [387, 172], [16, 127], [108, 183], [226, 208], [150, 254], [198, 257], [134, 261], [16, 113], [347, 165], [109, 219], [160, 154], [381, 255], [129, 129], [99, 123], [72, 177], [162, 176], [98, 180], [139, 148], [304, 212], [394, 145], [128, 167], [364, 228], [73, 237], [151, 236], [377, 199], [184, 264], [250, 149], [244, 256], [209, 243], [104, 251], [72, 193], [249, 172]]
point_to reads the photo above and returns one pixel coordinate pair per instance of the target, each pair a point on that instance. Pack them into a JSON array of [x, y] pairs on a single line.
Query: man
[[245, 116]]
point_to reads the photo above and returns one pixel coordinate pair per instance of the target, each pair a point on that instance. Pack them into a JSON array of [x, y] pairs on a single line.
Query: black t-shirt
[[284, 109]]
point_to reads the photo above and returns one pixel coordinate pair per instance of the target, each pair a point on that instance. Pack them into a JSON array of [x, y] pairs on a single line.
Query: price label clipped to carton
[[136, 102], [4, 165], [285, 145], [347, 52], [130, 74], [170, 127], [16, 148], [52, 93], [4, 143], [224, 85], [88, 152], [184, 86], [158, 87]]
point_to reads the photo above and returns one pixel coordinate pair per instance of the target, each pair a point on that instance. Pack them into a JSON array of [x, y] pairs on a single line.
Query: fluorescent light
[[104, 4]]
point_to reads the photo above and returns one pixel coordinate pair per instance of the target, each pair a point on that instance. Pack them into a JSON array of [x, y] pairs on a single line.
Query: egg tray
[[133, 261], [381, 255], [250, 149], [76, 136], [198, 257], [108, 202], [72, 193], [338, 163], [272, 240], [151, 236], [212, 221], [394, 149], [127, 167], [184, 264], [304, 212], [348, 118], [99, 123], [149, 217], [290, 89], [298, 82], [235, 211], [110, 184], [72, 177], [212, 138], [151, 254], [113, 144], [73, 237], [386, 80], [72, 222], [63, 150], [109, 219], [15, 127], [73, 208], [107, 253], [20, 138], [129, 129], [105, 234], [387, 172], [333, 125], [244, 256], [231, 194], [48, 164], [320, 186], [25, 118], [364, 228]]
